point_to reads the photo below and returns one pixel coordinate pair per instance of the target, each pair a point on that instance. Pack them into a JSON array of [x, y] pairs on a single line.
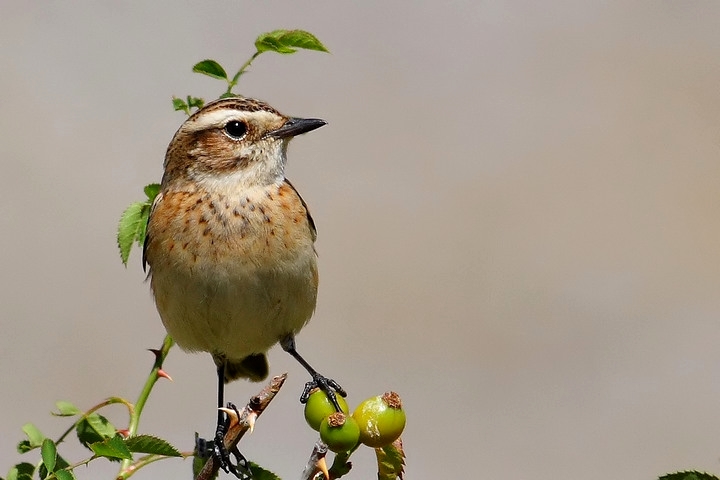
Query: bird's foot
[[327, 385], [239, 467]]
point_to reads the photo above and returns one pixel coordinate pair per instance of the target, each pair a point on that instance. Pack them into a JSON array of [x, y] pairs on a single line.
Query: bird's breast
[[254, 228], [232, 272]]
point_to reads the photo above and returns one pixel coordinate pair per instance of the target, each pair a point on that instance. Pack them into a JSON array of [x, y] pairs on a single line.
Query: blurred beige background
[[517, 204]]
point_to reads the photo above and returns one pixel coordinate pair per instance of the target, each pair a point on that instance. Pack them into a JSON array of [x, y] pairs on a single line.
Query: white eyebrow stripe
[[219, 118]]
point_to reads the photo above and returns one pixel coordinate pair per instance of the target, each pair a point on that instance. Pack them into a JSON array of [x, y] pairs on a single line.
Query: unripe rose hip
[[381, 419], [340, 432], [318, 407]]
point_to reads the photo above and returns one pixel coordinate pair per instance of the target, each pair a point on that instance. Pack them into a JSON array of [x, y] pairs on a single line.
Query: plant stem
[[244, 67], [153, 377], [109, 401], [144, 461]]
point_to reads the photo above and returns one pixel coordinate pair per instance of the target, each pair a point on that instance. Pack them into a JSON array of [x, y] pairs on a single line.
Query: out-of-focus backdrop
[[518, 207]]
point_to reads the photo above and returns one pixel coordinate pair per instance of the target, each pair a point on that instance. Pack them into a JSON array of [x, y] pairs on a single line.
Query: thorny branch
[[245, 422]]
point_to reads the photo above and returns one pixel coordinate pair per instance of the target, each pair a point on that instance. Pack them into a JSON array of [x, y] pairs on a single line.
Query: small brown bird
[[230, 245]]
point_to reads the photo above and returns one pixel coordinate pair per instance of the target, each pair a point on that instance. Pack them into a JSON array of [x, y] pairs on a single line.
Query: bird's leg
[[240, 468], [327, 385]]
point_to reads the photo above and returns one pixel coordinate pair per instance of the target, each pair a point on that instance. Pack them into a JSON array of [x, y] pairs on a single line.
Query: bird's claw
[[327, 385], [240, 467]]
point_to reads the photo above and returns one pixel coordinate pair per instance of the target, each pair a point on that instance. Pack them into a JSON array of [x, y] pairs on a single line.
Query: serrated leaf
[[64, 475], [259, 473], [688, 475], [391, 461], [21, 471], [270, 42], [129, 229], [133, 222], [151, 444], [302, 39], [66, 409], [35, 438], [113, 447], [42, 471], [48, 452], [179, 104], [95, 428], [211, 68], [151, 190], [288, 41], [24, 446], [195, 102]]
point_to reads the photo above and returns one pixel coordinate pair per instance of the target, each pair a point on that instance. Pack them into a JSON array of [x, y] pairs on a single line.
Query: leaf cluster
[[96, 433], [285, 42]]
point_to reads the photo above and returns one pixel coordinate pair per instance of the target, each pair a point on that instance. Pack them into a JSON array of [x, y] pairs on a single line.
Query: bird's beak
[[296, 126]]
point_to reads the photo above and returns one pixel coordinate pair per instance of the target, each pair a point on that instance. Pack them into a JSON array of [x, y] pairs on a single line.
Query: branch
[[316, 462], [245, 422]]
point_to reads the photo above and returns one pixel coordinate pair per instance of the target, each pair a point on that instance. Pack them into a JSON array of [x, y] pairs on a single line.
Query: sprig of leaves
[[99, 436], [95, 432], [133, 222], [285, 42]]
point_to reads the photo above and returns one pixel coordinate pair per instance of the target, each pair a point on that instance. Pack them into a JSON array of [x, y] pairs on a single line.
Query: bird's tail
[[253, 367]]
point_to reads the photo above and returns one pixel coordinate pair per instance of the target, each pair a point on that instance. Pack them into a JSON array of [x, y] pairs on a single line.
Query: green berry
[[340, 432], [319, 406], [381, 420]]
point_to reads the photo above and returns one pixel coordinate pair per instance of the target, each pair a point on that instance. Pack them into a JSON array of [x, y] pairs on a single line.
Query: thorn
[[252, 416], [232, 415], [124, 432], [162, 373], [322, 466], [155, 352]]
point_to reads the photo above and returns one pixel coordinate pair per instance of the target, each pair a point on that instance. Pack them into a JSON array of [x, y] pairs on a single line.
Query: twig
[[245, 422], [313, 464]]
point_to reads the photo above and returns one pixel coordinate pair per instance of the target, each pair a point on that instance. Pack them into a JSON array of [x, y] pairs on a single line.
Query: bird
[[230, 246]]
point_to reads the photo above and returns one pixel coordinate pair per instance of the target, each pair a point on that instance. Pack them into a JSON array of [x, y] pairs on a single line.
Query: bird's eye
[[236, 129]]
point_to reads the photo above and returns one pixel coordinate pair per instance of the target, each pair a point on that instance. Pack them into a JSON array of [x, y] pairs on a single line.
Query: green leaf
[[24, 446], [133, 222], [211, 68], [64, 475], [95, 428], [688, 475], [48, 452], [195, 102], [130, 228], [113, 447], [302, 39], [21, 471], [259, 473], [288, 41], [66, 409], [35, 438], [268, 43], [42, 471], [151, 190], [179, 104], [391, 461], [151, 444]]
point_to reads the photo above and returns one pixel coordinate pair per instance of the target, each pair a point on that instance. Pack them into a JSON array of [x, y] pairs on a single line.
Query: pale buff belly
[[235, 309]]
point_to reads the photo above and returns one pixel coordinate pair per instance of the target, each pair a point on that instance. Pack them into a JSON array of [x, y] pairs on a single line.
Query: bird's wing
[[311, 222], [157, 200]]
